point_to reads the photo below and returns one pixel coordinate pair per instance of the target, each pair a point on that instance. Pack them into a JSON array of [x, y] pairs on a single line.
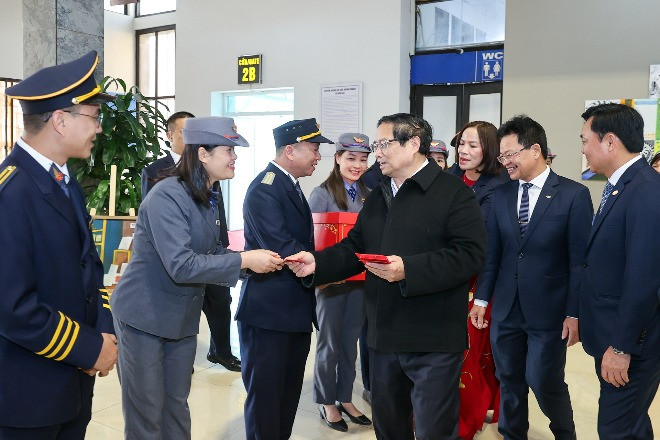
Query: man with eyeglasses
[[429, 225], [537, 233], [55, 325]]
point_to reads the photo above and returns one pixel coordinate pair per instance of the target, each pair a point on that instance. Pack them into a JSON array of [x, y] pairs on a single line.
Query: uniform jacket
[[543, 268], [322, 200], [435, 225], [176, 251], [277, 219], [483, 188], [51, 311], [619, 295], [150, 173]]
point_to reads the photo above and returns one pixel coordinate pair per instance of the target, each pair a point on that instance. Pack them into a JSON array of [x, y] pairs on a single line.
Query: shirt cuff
[[480, 303], [572, 317]]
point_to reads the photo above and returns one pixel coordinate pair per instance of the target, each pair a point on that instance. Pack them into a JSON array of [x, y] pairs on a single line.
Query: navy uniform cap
[[305, 130], [61, 86]]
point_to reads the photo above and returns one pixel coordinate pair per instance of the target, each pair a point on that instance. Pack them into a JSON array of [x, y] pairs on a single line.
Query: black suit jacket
[[435, 226], [484, 186], [150, 173]]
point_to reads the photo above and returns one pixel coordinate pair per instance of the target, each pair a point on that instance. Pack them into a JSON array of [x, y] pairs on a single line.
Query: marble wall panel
[[72, 45], [80, 16]]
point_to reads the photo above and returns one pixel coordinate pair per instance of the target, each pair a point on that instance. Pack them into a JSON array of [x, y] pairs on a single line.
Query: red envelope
[[292, 260], [373, 258]]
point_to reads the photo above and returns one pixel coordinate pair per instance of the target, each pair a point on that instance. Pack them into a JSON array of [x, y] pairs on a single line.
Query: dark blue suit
[[275, 312], [619, 299], [533, 283], [51, 311], [217, 299]]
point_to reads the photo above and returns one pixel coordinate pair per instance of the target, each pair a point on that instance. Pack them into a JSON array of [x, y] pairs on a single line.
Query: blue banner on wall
[[468, 67]]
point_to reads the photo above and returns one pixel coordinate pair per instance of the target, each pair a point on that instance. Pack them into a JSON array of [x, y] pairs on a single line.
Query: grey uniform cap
[[356, 142], [212, 130]]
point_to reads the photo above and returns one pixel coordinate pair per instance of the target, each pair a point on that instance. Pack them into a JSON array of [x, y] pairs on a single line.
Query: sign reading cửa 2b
[[249, 69]]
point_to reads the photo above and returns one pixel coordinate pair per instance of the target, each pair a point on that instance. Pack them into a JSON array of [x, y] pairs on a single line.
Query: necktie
[[606, 193], [300, 193], [523, 214], [59, 178], [352, 193], [213, 200]]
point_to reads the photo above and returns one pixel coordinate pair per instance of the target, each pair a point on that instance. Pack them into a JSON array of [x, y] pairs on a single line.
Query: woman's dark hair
[[489, 146], [335, 185], [655, 159], [190, 171]]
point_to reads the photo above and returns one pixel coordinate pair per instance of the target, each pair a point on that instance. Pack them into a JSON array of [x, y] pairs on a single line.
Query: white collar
[[285, 172], [43, 160], [175, 157], [614, 178], [539, 180]]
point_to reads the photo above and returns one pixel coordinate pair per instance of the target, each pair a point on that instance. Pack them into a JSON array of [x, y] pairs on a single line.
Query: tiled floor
[[217, 397]]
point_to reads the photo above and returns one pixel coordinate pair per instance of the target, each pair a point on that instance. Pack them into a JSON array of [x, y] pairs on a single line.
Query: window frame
[[138, 14], [157, 99], [8, 127]]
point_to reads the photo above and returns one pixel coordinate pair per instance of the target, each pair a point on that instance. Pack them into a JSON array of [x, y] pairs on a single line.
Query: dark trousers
[[70, 430], [526, 358], [623, 413], [423, 384], [216, 307], [364, 356], [273, 366]]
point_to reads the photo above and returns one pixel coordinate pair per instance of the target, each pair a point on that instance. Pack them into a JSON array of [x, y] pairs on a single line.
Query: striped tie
[[351, 192], [606, 193], [523, 214]]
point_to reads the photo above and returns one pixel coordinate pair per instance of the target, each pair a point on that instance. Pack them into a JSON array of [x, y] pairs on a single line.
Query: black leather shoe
[[231, 363], [360, 420], [337, 426]]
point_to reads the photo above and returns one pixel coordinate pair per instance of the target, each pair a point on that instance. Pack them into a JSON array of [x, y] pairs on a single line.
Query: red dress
[[479, 388]]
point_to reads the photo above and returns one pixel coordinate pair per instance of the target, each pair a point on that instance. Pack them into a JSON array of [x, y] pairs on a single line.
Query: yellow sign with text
[[249, 69]]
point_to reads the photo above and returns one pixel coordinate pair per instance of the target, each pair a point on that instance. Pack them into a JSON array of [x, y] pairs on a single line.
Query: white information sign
[[341, 112]]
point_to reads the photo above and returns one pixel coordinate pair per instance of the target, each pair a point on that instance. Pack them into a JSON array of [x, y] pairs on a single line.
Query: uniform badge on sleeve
[[6, 174], [268, 178]]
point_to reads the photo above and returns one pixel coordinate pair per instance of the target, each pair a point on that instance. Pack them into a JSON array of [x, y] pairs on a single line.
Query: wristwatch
[[617, 351]]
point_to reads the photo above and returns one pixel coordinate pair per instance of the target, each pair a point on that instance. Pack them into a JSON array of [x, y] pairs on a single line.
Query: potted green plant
[[131, 128]]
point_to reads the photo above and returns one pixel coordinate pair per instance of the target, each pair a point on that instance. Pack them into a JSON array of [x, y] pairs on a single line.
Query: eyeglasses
[[98, 118], [382, 144], [502, 157]]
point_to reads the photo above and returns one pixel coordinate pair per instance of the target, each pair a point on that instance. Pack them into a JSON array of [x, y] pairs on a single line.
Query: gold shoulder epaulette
[[6, 174], [268, 178]]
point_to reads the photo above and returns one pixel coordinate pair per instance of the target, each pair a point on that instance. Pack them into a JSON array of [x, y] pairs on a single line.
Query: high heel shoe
[[360, 420], [337, 426]]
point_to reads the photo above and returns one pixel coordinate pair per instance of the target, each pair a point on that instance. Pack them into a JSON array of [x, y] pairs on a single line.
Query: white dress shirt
[[534, 191]]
